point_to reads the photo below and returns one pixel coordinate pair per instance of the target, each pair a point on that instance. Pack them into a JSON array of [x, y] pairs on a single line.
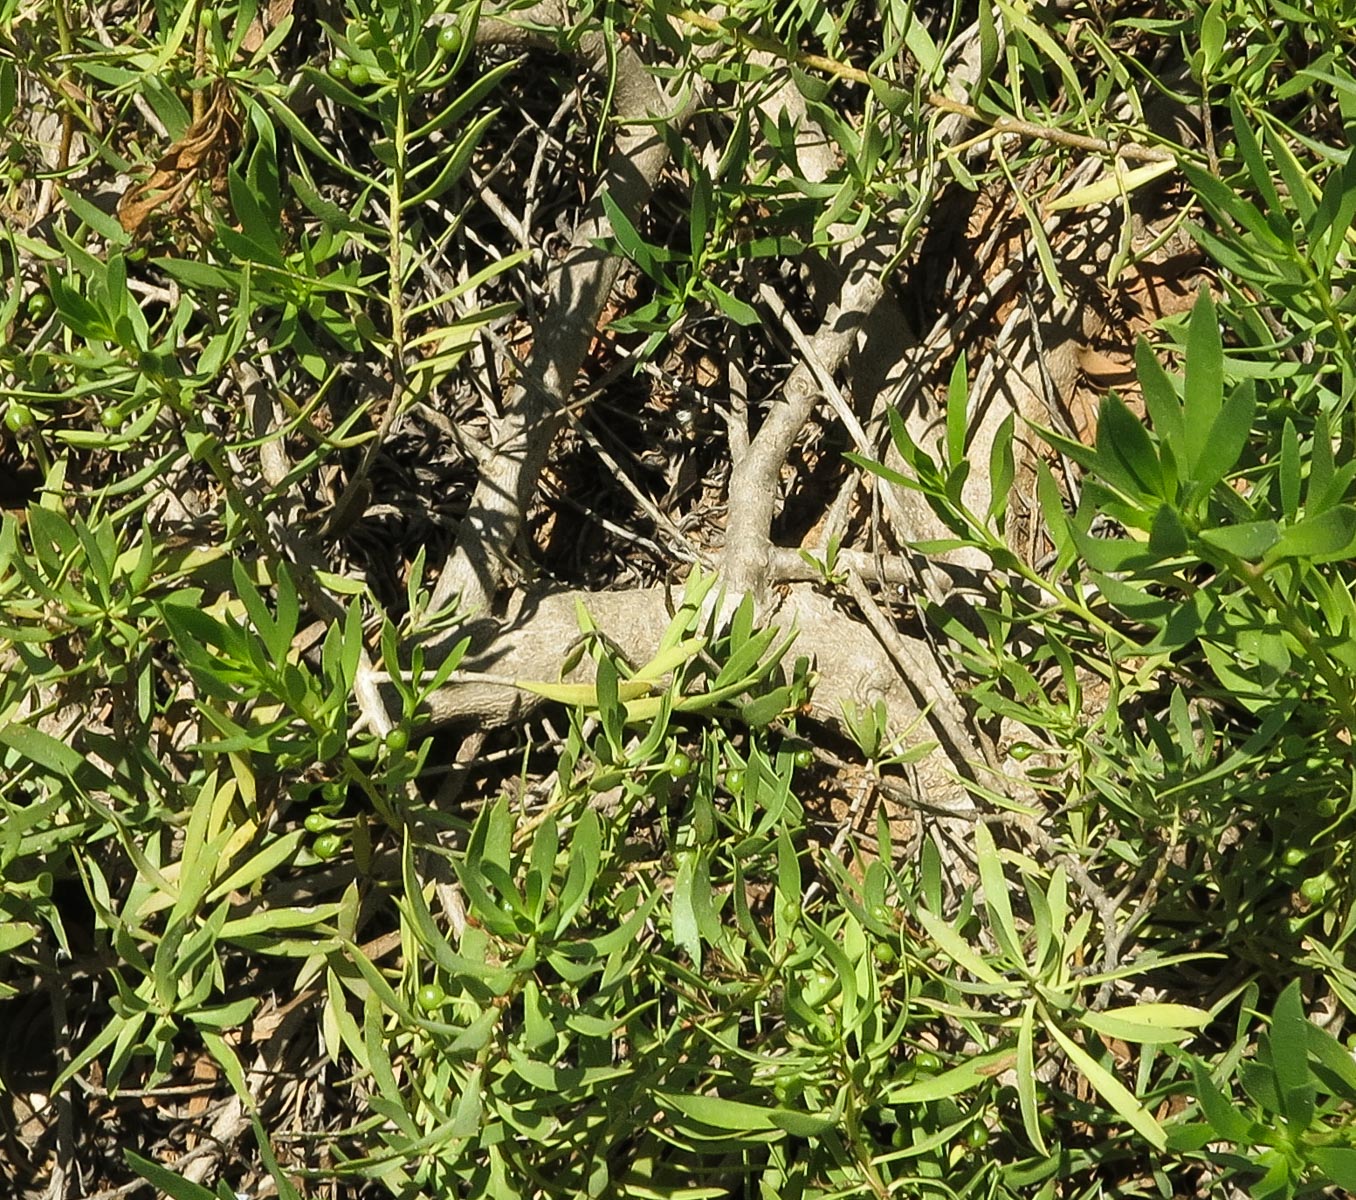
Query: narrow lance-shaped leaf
[[1228, 437], [1111, 1089], [1204, 387], [1026, 1078], [1289, 1042]]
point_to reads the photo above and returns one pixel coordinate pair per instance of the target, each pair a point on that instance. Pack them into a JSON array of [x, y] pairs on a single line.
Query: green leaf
[[166, 1180], [1249, 541], [1126, 457], [1147, 1022], [735, 1116], [586, 844], [1111, 1089], [733, 307], [953, 1081], [1338, 1163], [53, 755], [1290, 472], [1002, 470], [957, 413], [957, 948], [996, 895], [1228, 436], [453, 165], [1329, 536], [632, 244], [1167, 534], [1289, 1043], [686, 931], [1160, 399], [1332, 220], [1026, 1078], [1204, 388]]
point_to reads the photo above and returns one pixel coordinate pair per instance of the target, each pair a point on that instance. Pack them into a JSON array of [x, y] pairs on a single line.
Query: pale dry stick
[[889, 496], [530, 202], [472, 447], [787, 566], [578, 287], [678, 544], [943, 706], [754, 480], [501, 212], [737, 413]]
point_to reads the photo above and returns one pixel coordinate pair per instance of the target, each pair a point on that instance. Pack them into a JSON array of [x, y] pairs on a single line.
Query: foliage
[[644, 969]]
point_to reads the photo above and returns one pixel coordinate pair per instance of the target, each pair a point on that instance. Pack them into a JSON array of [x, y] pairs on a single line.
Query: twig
[[924, 678], [579, 288]]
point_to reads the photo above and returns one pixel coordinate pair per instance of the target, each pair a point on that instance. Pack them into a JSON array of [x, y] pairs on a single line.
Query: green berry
[[450, 39], [679, 764], [317, 822], [1021, 751], [338, 68], [804, 757], [397, 741], [977, 1136], [1295, 856], [17, 173], [734, 780], [359, 75], [431, 997], [1316, 887], [927, 1062], [327, 845], [18, 417], [111, 418], [39, 307]]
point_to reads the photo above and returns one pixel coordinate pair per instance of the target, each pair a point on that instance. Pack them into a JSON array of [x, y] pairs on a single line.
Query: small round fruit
[[359, 75], [805, 757], [1295, 856], [977, 1136], [39, 307], [679, 764], [18, 417], [1021, 751], [431, 997], [450, 39], [1316, 887], [317, 823], [327, 845], [17, 173], [734, 779], [111, 418], [397, 741], [927, 1062], [338, 68]]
